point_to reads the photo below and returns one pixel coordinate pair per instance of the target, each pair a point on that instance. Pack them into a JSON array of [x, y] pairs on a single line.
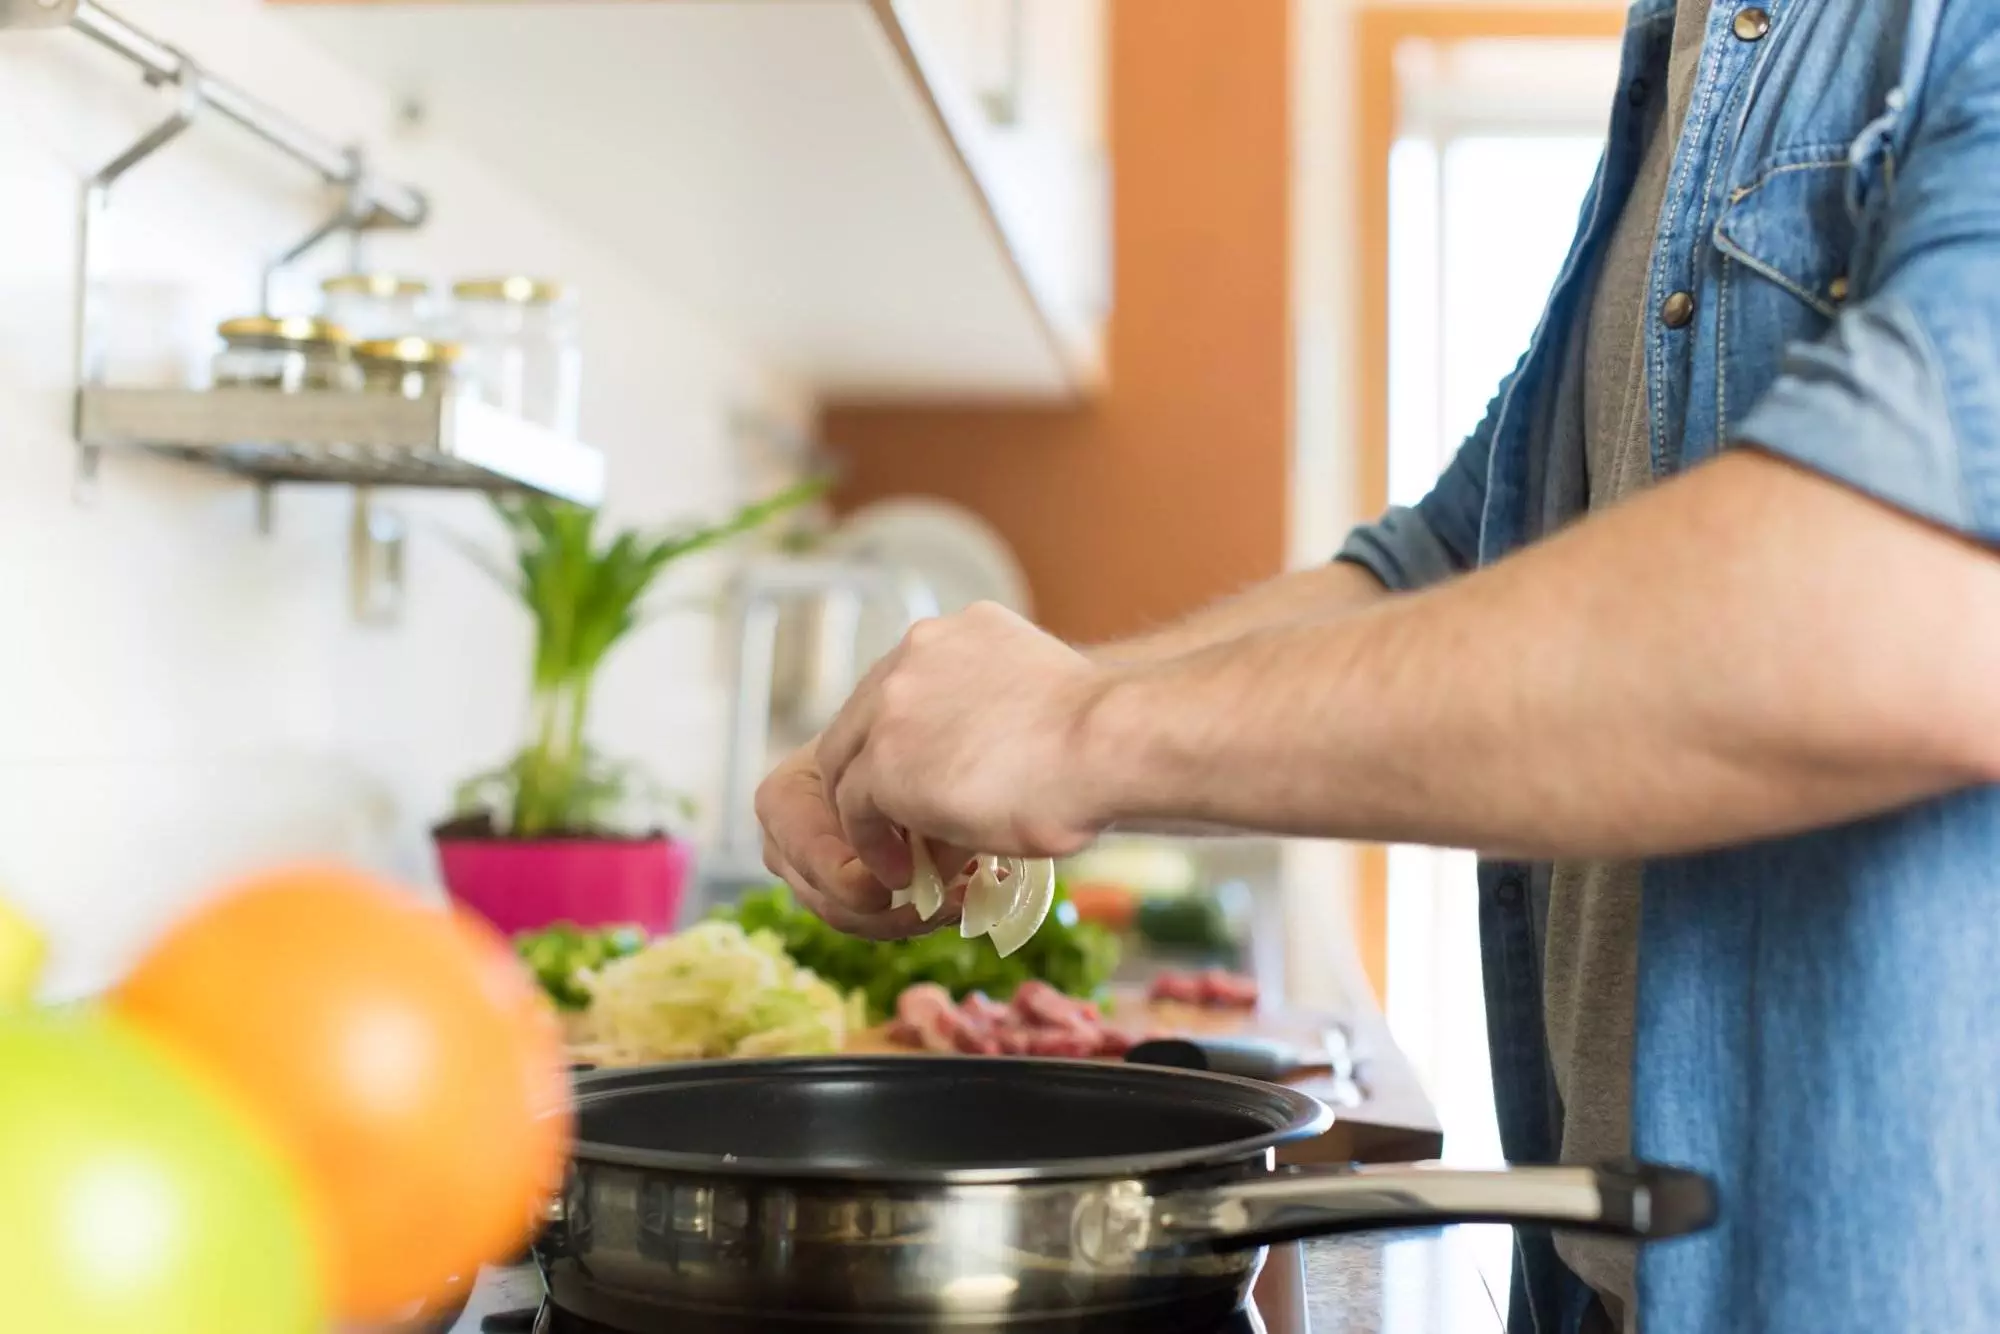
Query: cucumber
[[1191, 921]]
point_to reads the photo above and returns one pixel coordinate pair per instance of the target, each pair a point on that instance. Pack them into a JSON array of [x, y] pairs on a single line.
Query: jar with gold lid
[[289, 353], [522, 352], [374, 306], [406, 367]]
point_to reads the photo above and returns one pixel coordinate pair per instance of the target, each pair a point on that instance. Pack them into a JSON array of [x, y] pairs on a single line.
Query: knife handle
[[1250, 1058]]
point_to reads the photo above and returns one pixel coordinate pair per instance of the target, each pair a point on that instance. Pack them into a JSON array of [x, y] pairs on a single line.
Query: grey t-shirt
[[1592, 943]]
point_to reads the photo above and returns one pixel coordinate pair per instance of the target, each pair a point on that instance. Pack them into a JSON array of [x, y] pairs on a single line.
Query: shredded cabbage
[[714, 991]]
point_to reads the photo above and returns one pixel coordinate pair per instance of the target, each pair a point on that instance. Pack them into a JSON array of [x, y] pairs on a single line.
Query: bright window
[[1497, 148]]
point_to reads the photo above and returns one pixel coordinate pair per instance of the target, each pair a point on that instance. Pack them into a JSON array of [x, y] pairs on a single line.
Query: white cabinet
[[1021, 84], [826, 178]]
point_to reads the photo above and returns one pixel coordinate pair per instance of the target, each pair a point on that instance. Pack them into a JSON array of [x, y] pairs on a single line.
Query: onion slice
[[994, 892], [1037, 894], [926, 889]]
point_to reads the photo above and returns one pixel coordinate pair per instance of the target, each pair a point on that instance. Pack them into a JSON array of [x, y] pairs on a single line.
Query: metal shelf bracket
[[95, 201], [376, 542]]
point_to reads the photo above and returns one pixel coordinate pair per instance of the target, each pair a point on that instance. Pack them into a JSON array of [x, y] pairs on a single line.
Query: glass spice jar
[[373, 306], [291, 353], [522, 352], [407, 367]]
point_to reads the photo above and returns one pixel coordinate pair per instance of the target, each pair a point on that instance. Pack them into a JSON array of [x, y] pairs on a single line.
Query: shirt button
[[1677, 311], [1636, 92], [1510, 891], [1751, 24], [1837, 289]]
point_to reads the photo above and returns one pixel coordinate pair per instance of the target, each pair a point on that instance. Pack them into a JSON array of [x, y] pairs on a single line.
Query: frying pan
[[915, 1192]]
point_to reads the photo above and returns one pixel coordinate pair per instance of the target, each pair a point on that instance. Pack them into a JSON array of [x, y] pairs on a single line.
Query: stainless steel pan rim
[[1289, 1114]]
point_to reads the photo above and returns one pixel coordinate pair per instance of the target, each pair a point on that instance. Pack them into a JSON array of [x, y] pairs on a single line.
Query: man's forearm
[[1746, 651], [1309, 596], [1313, 595]]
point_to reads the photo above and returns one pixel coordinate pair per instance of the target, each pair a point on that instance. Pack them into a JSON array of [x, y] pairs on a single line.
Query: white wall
[[182, 698]]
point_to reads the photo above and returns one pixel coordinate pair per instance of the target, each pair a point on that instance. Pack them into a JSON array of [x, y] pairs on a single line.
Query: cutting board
[[1394, 1122]]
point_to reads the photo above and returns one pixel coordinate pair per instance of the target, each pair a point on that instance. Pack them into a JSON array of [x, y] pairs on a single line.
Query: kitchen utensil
[[1246, 1058], [956, 553], [927, 1192], [846, 592], [1257, 1058]]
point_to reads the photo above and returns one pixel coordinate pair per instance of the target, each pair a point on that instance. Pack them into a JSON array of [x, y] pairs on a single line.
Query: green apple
[[144, 1203]]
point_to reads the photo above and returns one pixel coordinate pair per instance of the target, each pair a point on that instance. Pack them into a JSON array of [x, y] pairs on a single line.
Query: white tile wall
[[180, 697]]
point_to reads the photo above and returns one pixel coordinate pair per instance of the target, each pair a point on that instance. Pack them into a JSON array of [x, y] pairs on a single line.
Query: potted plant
[[561, 832]]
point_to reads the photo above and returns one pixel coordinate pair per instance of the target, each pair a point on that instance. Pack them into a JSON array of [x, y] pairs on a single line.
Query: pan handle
[[1645, 1201]]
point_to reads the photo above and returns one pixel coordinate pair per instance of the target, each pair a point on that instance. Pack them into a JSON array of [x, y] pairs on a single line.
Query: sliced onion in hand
[[1006, 898], [1037, 895]]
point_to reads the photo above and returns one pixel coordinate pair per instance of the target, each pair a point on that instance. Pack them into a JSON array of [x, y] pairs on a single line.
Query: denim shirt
[[1816, 1015]]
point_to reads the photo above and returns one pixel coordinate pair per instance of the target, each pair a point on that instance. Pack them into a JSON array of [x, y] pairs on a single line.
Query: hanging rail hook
[[93, 202]]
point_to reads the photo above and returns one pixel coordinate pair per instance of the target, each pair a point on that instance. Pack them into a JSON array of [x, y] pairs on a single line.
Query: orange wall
[[1169, 490]]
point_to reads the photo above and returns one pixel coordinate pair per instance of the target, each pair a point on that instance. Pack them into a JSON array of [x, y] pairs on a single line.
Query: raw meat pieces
[[1040, 1021], [1211, 987]]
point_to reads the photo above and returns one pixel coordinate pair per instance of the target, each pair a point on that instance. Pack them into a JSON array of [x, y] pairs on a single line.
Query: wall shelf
[[345, 437]]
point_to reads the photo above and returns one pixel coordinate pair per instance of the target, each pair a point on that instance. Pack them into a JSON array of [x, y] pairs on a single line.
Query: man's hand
[[804, 847], [968, 733], [803, 841]]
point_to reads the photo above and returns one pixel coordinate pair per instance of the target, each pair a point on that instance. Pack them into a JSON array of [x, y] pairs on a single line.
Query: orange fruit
[[545, 1089], [378, 1041]]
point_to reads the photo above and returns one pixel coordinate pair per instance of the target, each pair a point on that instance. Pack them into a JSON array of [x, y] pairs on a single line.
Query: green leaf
[[584, 598]]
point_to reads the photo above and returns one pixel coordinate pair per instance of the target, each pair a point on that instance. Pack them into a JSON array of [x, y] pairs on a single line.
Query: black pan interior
[[904, 1116]]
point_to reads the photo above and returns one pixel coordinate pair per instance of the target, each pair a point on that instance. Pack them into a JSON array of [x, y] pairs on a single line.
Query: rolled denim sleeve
[[1901, 398], [1410, 547]]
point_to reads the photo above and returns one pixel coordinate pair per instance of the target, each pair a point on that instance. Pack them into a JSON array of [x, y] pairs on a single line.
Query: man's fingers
[[900, 924], [875, 840], [952, 860], [830, 862], [803, 831], [860, 889], [886, 924], [829, 865], [843, 739]]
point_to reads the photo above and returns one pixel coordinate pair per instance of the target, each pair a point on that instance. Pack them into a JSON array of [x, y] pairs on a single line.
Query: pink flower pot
[[523, 885]]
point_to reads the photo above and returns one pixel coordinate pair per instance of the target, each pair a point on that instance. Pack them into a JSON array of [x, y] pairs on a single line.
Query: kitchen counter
[[1425, 1283]]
